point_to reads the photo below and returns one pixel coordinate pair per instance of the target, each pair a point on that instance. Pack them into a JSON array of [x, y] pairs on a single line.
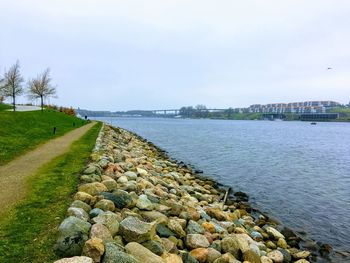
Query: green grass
[[28, 233], [5, 106], [344, 113], [23, 131]]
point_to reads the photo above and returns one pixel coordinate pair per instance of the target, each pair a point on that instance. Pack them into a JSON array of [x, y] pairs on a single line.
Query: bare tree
[[11, 85], [41, 88]]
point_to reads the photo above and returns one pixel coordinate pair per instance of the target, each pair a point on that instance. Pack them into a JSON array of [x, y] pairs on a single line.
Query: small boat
[[313, 123]]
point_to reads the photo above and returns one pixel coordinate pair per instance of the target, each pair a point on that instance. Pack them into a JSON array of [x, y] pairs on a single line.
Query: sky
[[165, 54]]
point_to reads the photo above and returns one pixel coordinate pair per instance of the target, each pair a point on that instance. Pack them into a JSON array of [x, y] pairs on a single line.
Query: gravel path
[[13, 175]]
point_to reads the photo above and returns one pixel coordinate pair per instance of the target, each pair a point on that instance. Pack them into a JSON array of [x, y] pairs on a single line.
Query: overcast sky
[[158, 54]]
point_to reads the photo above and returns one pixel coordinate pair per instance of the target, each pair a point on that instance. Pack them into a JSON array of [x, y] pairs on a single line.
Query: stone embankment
[[135, 205]]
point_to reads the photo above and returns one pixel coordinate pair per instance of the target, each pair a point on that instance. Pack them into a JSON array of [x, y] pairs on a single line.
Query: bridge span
[[177, 111]]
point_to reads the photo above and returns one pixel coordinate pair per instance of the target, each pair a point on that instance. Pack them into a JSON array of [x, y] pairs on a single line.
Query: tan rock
[[100, 231], [265, 259], [209, 227], [85, 197], [171, 258], [276, 256], [105, 205], [142, 254], [201, 254], [93, 188], [94, 249]]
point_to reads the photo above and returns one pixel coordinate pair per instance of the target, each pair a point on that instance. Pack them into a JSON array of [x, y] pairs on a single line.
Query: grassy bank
[[344, 113], [5, 107], [23, 131], [27, 234]]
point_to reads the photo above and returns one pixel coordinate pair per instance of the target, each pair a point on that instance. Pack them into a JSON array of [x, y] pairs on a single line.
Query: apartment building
[[294, 107]]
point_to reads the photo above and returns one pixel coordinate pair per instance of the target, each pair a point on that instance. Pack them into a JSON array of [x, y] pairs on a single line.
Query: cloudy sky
[[156, 54]]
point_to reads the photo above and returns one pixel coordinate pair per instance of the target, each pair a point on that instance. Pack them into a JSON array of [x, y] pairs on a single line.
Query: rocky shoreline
[[134, 204]]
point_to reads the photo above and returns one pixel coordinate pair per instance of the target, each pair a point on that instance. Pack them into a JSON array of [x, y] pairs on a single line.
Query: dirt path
[[13, 175]]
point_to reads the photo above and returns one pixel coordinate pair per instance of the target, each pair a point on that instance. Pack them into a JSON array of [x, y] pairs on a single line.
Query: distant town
[[305, 110]]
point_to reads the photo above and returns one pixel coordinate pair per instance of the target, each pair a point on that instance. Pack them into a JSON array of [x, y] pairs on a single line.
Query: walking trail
[[14, 174]]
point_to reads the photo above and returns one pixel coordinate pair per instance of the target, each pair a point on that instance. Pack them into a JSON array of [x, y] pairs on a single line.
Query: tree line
[[40, 87]]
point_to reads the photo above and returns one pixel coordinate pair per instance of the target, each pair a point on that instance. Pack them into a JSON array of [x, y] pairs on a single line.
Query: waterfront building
[[294, 107]]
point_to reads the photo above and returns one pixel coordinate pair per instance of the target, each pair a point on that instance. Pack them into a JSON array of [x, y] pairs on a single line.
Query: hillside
[[22, 131]]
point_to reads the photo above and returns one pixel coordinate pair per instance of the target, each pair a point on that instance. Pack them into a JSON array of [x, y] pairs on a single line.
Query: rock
[[81, 204], [141, 171], [271, 245], [95, 212], [287, 258], [150, 216], [78, 212], [188, 258], [163, 231], [194, 228], [301, 255], [169, 245], [256, 236], [72, 234], [84, 197], [236, 244], [301, 261], [273, 232], [142, 254], [93, 188], [251, 256], [227, 258], [216, 245], [94, 249], [276, 256], [216, 213], [201, 254], [171, 258], [75, 260], [122, 179], [265, 259], [111, 184], [90, 169], [110, 220], [105, 205], [154, 246], [134, 230], [282, 243], [120, 198], [175, 226], [100, 231], [213, 254], [131, 175], [209, 227], [196, 241], [115, 254], [144, 204]]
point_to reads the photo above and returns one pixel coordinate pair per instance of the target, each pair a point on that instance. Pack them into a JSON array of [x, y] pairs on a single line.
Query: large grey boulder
[[143, 254], [120, 198], [134, 230], [72, 234], [115, 254]]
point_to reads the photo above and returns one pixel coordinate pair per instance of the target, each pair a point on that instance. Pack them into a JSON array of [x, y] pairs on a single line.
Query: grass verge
[[4, 106], [23, 131], [28, 232]]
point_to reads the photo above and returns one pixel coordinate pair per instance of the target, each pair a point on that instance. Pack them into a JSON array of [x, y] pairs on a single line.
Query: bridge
[[177, 111]]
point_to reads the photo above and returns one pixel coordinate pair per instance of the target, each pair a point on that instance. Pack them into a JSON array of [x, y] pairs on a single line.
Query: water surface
[[297, 172]]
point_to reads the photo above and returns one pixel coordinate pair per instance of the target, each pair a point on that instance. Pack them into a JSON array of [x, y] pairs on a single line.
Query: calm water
[[297, 172]]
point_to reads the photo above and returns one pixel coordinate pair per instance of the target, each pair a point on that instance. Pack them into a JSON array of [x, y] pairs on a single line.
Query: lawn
[[28, 233], [23, 131], [5, 106]]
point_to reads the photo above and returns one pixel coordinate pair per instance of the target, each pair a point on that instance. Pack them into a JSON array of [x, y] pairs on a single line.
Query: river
[[294, 171]]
